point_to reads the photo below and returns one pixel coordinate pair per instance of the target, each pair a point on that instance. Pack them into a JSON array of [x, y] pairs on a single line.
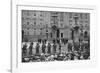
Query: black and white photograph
[[48, 37], [54, 36]]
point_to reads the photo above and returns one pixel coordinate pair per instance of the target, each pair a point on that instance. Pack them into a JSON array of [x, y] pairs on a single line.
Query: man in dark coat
[[76, 46], [30, 48], [58, 41], [49, 48], [54, 48], [43, 48], [37, 48], [70, 47], [24, 50], [82, 46], [59, 47]]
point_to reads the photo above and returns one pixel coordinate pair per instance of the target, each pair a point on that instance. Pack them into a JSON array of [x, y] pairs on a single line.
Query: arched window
[[61, 35]]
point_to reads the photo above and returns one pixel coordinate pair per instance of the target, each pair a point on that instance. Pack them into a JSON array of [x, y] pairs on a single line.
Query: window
[[70, 15], [34, 14], [41, 33], [86, 21], [70, 21], [34, 23], [27, 32], [81, 16], [41, 15], [70, 24], [41, 19], [81, 22], [40, 29], [61, 35], [40, 23], [86, 16], [51, 35], [61, 25], [27, 23], [61, 17], [34, 28], [28, 13], [34, 31], [86, 25], [27, 28], [76, 14]]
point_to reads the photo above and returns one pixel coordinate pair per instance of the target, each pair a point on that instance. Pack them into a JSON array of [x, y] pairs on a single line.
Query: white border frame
[[17, 66]]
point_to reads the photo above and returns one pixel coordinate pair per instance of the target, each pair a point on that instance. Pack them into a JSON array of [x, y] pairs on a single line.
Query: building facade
[[51, 25]]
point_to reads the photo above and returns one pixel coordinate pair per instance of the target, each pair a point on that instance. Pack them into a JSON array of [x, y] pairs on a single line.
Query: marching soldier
[[59, 47], [49, 48], [37, 48], [24, 50], [76, 46], [43, 48], [70, 46], [30, 48], [54, 48]]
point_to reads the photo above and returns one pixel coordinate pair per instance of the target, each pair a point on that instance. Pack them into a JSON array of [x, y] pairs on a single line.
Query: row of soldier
[[54, 48], [37, 48]]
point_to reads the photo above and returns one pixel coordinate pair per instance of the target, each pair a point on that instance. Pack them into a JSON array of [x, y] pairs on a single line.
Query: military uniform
[[37, 49], [24, 50], [30, 49], [49, 49], [54, 48], [59, 48], [76, 46], [69, 47], [43, 48]]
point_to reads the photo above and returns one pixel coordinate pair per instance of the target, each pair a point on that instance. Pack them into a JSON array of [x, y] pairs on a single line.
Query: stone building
[[51, 24]]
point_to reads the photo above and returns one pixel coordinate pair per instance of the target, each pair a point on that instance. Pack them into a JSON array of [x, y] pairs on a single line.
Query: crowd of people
[[57, 50]]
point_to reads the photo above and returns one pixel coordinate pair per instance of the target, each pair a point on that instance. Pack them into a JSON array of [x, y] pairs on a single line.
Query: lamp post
[[54, 29], [47, 34], [76, 18], [76, 29], [47, 31]]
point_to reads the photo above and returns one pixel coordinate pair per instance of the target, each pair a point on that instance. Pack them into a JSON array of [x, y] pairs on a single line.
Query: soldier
[[24, 50], [86, 36], [58, 41], [70, 46], [59, 47], [81, 35], [45, 41], [30, 48], [54, 48], [49, 48], [82, 46], [40, 40], [37, 48], [76, 46], [42, 57], [43, 48], [54, 41]]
